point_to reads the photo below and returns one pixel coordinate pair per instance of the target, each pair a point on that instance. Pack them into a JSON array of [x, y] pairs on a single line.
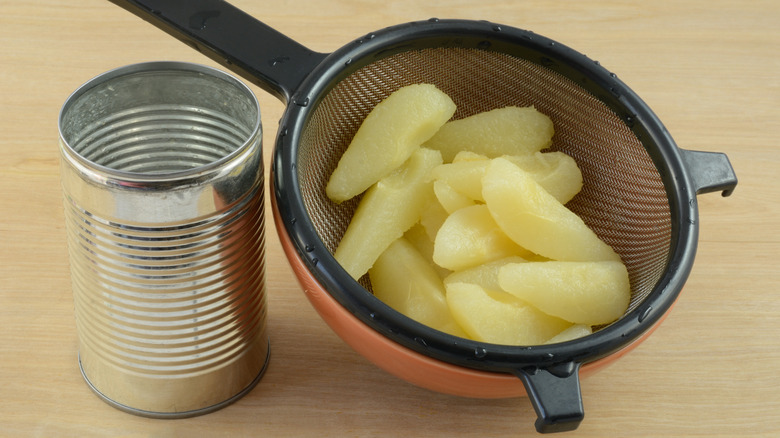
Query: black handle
[[556, 396], [236, 40]]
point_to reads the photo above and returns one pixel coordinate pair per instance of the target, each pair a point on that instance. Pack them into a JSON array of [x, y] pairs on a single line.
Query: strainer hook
[[710, 171], [555, 395]]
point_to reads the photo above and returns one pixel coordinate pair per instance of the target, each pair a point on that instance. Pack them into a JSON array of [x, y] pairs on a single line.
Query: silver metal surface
[[163, 183]]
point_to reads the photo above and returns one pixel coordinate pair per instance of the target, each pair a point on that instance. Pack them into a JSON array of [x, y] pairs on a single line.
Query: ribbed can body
[[163, 185]]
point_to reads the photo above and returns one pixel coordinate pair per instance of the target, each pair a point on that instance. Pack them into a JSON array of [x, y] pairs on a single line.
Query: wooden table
[[710, 70]]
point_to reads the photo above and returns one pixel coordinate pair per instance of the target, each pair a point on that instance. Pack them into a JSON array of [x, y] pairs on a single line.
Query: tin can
[[162, 176]]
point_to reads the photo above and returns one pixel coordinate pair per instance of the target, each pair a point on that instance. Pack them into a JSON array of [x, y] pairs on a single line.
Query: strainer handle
[[710, 171], [556, 396], [234, 39]]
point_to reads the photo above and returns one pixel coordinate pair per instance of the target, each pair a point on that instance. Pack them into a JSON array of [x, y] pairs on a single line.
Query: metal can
[[162, 175]]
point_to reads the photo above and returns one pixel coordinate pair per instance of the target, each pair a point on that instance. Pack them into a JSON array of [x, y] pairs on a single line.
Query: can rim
[[87, 165]]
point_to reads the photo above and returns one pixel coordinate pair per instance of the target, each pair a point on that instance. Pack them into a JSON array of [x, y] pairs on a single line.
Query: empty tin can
[[162, 175]]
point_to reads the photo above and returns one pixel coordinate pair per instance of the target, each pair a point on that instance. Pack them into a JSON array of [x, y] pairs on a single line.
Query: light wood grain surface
[[710, 70]]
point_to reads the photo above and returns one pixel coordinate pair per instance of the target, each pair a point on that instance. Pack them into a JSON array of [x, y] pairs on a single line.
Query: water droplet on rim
[[199, 20], [273, 62], [480, 352], [645, 314]]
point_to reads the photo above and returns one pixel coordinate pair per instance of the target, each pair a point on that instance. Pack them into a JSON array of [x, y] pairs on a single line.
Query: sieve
[[639, 191]]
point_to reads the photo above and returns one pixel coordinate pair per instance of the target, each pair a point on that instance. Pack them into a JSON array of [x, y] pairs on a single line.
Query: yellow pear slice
[[499, 318], [422, 242], [509, 130], [449, 198], [386, 211], [484, 275], [470, 237], [590, 293], [556, 172], [404, 280], [537, 221], [465, 177], [576, 331], [388, 136]]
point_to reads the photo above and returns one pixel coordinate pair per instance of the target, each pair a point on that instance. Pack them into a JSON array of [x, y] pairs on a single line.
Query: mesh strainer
[[639, 191]]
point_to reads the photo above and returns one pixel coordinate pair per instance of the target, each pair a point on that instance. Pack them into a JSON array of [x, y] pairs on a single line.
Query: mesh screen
[[623, 198]]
